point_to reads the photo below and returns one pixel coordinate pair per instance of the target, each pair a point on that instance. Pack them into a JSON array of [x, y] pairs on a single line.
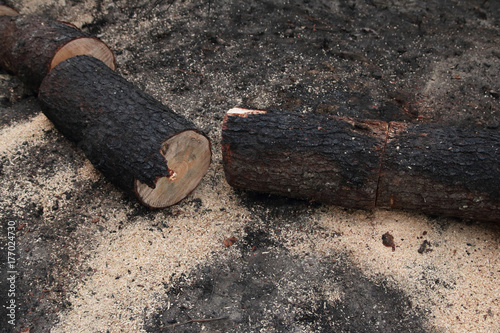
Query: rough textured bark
[[328, 159], [33, 45], [365, 164], [7, 9], [136, 142], [440, 170]]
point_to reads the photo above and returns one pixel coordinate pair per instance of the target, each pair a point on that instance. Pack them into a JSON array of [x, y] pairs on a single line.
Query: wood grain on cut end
[[188, 156], [85, 46], [137, 143]]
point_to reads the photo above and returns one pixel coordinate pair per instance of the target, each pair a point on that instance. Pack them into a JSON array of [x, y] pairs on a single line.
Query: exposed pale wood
[[242, 112], [4, 10]]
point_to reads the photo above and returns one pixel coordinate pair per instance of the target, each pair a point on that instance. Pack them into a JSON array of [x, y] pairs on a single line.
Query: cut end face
[[188, 158], [8, 11], [85, 46]]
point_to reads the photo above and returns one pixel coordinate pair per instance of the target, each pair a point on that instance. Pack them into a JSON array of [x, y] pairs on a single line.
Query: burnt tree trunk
[[33, 45], [328, 159], [7, 9], [442, 170], [139, 144], [365, 164]]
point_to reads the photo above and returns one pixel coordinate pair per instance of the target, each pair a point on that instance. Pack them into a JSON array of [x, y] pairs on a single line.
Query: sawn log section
[[32, 45], [442, 170], [136, 142], [364, 164]]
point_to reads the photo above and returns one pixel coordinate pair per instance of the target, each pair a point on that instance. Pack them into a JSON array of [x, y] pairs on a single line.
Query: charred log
[[365, 164], [442, 170], [139, 144], [327, 159], [33, 45]]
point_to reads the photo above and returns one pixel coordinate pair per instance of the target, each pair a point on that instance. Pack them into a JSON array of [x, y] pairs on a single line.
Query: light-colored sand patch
[[87, 171], [31, 131], [457, 280], [52, 188], [66, 11], [34, 6], [134, 266], [42, 188]]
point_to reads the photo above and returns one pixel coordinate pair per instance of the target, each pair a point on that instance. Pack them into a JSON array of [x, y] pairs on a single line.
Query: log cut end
[[85, 46], [7, 10], [188, 157]]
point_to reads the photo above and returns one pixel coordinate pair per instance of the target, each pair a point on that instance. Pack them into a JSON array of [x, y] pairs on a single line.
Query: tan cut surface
[[85, 46], [188, 158]]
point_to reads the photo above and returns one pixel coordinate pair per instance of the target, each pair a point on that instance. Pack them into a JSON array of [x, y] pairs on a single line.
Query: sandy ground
[[91, 259]]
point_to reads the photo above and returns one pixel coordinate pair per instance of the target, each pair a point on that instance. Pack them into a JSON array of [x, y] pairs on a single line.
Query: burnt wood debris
[[145, 148], [33, 45], [136, 142], [139, 144], [434, 169]]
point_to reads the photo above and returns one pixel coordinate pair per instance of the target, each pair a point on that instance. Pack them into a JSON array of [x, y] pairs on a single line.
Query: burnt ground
[[296, 266], [265, 288]]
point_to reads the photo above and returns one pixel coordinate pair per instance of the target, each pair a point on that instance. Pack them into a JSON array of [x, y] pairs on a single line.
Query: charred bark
[[327, 159], [442, 170], [33, 45], [139, 144], [365, 164]]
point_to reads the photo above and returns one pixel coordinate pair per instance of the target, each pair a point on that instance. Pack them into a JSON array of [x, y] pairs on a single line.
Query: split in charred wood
[[432, 169], [442, 170]]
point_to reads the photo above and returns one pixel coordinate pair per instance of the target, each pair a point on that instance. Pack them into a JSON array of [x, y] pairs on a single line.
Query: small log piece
[[139, 144], [33, 45], [6, 9], [442, 170], [328, 159], [432, 169]]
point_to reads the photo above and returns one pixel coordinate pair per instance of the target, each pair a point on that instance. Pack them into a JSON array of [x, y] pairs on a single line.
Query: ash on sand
[[91, 259], [265, 288]]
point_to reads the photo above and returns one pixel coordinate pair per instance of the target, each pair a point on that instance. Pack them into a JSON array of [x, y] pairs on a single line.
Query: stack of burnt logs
[[144, 147], [139, 144]]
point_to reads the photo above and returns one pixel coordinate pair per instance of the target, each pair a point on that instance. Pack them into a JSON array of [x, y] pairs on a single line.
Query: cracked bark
[[33, 45], [139, 144], [364, 164], [328, 159]]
